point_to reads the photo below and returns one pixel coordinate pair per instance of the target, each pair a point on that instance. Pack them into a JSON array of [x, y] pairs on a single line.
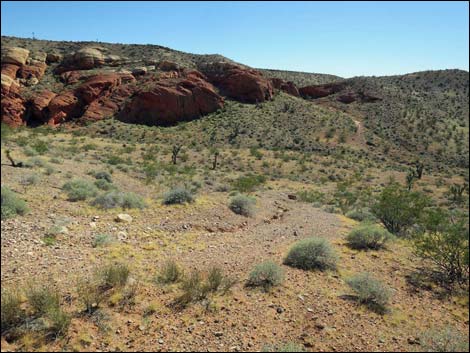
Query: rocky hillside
[[415, 116]]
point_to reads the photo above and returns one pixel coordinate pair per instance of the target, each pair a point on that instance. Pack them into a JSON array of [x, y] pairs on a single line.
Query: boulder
[[96, 86], [171, 100], [10, 70], [288, 87], [82, 59], [238, 82], [8, 84], [53, 57], [14, 55], [123, 217], [37, 57], [167, 66], [35, 69], [139, 71]]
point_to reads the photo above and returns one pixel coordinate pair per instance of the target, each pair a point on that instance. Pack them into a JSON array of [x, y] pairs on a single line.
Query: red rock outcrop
[[10, 70], [238, 82], [39, 106], [319, 91], [12, 108], [36, 69], [172, 100], [288, 87], [63, 107]]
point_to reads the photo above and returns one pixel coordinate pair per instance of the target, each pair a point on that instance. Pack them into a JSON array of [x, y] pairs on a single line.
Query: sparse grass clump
[[445, 340], [178, 196], [102, 240], [31, 179], [114, 275], [370, 291], [361, 215], [369, 236], [266, 274], [248, 183], [312, 254], [116, 198], [242, 205], [43, 298], [11, 312], [169, 273], [90, 293], [198, 287], [12, 205], [103, 175], [102, 184], [284, 347], [79, 190]]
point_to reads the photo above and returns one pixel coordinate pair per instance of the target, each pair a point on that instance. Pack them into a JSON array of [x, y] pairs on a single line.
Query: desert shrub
[[370, 291], [443, 239], [368, 236], [49, 170], [266, 274], [102, 240], [43, 298], [361, 215], [40, 146], [102, 184], [59, 322], [79, 189], [445, 340], [169, 273], [34, 162], [311, 196], [215, 279], [103, 175], [113, 199], [31, 179], [177, 196], [113, 275], [284, 347], [399, 209], [11, 312], [197, 287], [248, 183], [90, 293], [193, 290], [11, 204], [242, 205], [310, 254]]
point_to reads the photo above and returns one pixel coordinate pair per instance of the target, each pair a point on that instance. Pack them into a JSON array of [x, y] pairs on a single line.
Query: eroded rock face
[[172, 100], [288, 87], [10, 70], [39, 106], [12, 107], [35, 69], [319, 91], [53, 57], [63, 107], [240, 83], [14, 55]]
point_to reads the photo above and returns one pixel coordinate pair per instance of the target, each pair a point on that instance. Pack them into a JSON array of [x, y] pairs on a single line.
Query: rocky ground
[[313, 309]]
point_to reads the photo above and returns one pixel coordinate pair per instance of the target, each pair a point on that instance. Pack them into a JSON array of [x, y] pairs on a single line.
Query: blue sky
[[342, 38]]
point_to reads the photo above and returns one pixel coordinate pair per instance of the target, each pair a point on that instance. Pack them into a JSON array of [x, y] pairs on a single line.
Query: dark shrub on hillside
[[266, 274], [178, 196], [370, 291], [368, 236], [242, 205], [311, 254], [79, 189]]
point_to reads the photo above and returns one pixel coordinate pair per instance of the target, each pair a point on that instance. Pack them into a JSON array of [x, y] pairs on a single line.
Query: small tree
[[419, 169], [216, 154], [456, 192], [175, 151], [398, 208], [443, 239], [410, 178]]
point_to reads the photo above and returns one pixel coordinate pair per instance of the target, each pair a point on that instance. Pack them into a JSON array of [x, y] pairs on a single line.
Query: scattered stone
[[123, 217]]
